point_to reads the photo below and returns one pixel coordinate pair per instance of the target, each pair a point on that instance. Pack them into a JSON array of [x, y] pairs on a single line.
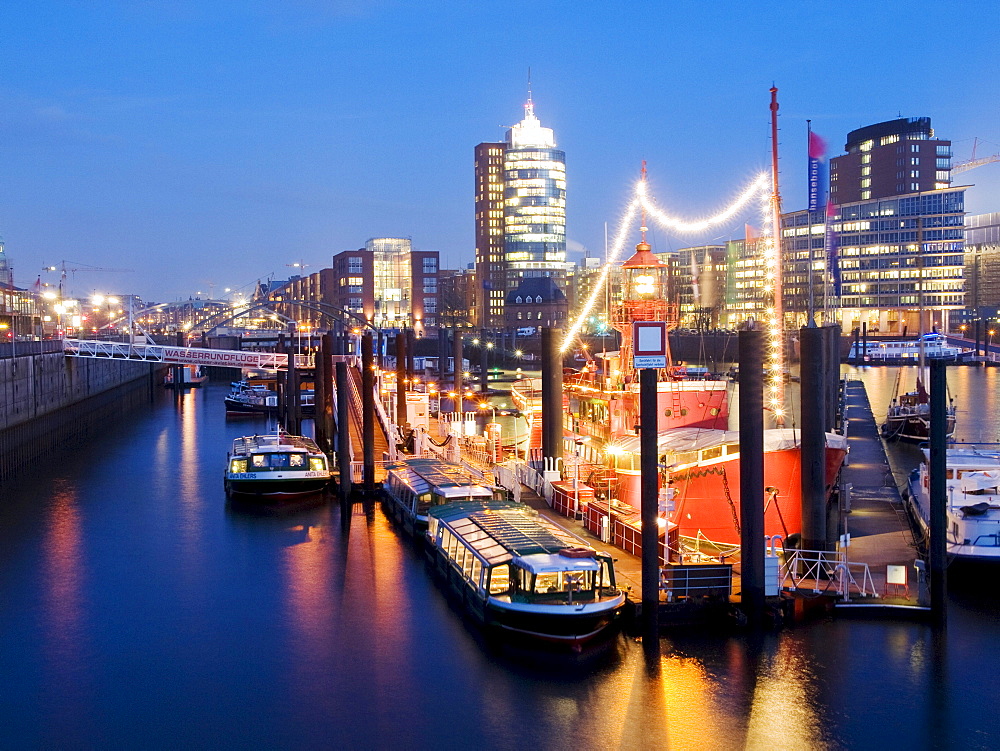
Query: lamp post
[[989, 344]]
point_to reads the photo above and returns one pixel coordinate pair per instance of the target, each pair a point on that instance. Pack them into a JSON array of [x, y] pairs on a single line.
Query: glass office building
[[534, 177]]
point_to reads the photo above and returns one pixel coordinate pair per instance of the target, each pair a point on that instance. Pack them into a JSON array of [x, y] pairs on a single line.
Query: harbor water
[[139, 609]]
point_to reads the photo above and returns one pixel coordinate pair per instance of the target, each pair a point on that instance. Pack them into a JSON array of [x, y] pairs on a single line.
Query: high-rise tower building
[[521, 191], [893, 158]]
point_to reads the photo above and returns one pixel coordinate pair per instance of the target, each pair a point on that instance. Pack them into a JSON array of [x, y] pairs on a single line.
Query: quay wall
[[50, 401]]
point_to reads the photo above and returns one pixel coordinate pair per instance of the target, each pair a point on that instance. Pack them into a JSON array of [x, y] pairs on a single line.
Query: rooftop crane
[[973, 162]]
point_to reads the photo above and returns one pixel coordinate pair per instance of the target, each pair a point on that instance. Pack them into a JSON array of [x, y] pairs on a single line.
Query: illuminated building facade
[[982, 268], [490, 265], [521, 191], [895, 254], [893, 158], [701, 283], [389, 284]]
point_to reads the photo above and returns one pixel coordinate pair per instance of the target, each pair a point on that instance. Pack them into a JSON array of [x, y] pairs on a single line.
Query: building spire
[[529, 107]]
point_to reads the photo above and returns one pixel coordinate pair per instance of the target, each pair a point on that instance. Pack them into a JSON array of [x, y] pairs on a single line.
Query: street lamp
[[989, 345]]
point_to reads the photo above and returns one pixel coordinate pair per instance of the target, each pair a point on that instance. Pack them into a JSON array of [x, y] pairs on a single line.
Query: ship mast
[[776, 355]]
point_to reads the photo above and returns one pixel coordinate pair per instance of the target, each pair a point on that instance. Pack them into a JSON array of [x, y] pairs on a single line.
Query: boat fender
[[577, 552]]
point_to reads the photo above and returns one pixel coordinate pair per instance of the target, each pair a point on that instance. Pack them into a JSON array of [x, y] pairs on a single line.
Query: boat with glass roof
[[275, 466], [522, 575], [413, 486]]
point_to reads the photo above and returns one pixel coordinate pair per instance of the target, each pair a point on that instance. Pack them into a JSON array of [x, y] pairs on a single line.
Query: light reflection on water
[[138, 608]]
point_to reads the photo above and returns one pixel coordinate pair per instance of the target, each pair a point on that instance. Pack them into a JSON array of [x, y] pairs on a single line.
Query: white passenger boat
[[275, 466], [413, 486], [906, 351], [522, 575], [972, 504]]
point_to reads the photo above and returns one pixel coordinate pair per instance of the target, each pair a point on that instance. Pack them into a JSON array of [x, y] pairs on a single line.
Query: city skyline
[[210, 146]]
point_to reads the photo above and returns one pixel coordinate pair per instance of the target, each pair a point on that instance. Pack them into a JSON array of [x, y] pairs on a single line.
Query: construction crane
[[75, 266], [974, 162]]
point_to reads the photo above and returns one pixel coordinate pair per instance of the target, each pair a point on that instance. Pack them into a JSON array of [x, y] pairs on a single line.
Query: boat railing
[[828, 572]]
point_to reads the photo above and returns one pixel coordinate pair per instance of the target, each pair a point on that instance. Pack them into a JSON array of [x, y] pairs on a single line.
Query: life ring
[[577, 552]]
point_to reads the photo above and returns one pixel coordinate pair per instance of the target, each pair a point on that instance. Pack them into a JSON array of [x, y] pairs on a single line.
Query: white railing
[[180, 355], [841, 576], [506, 477], [534, 480]]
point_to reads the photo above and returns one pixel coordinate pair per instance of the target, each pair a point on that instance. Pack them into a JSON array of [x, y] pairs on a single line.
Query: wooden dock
[[876, 518]]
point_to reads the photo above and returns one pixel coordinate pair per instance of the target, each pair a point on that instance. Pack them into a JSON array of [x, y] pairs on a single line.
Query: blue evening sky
[[210, 144]]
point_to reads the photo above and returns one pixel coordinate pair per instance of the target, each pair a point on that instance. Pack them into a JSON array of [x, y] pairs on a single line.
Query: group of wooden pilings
[[333, 430], [821, 400]]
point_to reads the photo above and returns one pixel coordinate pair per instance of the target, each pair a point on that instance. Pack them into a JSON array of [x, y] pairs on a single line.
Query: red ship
[[698, 456]]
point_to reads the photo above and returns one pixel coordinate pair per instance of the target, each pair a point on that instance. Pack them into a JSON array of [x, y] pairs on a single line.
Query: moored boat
[[184, 376], [413, 486], [247, 397], [906, 351], [522, 575], [275, 466], [908, 417], [972, 501], [702, 468]]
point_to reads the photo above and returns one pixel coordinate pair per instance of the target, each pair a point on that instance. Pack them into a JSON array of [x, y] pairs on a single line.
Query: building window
[[915, 148], [430, 266], [354, 265], [915, 161]]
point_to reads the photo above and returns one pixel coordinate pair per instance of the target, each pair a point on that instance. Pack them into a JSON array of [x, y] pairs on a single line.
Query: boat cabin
[[263, 453], [506, 551]]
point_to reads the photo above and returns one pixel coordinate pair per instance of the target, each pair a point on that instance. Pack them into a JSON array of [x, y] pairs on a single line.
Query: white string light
[[758, 187], [598, 290]]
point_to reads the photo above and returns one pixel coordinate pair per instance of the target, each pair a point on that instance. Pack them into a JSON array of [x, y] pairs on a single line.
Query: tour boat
[[906, 351], [275, 466], [522, 575], [413, 486], [189, 375], [972, 501]]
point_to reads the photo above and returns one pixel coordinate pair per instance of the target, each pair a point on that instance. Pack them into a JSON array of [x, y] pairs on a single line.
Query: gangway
[[173, 355]]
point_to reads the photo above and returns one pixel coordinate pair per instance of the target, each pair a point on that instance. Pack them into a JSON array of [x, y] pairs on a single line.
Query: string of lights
[[758, 188]]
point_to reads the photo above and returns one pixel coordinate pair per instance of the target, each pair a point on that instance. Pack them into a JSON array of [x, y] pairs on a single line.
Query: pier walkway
[[876, 519]]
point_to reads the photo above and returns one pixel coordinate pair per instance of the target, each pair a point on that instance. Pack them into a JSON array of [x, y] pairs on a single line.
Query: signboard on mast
[[649, 344]]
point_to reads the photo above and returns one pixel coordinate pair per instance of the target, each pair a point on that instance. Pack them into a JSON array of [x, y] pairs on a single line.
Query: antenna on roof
[[529, 108]]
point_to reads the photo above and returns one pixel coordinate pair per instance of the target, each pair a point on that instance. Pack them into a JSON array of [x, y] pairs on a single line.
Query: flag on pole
[[818, 180]]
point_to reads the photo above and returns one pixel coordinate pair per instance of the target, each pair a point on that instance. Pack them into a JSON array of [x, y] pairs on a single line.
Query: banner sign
[[224, 357], [817, 172]]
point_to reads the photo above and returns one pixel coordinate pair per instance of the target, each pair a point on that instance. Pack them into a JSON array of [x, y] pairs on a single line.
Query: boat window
[[474, 570], [949, 474], [460, 555], [711, 453], [607, 574], [296, 460], [499, 579], [563, 581], [423, 503]]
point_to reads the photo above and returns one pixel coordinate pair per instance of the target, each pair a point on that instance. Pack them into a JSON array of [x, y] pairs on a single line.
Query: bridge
[[173, 355]]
